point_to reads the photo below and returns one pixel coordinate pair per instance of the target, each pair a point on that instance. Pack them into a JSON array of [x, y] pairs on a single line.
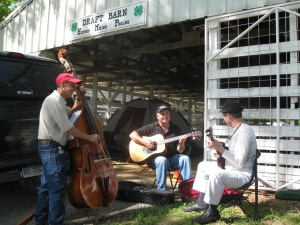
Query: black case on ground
[[158, 197], [135, 192], [130, 191]]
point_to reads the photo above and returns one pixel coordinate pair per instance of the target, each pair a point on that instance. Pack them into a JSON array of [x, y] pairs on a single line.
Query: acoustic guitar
[[141, 155]]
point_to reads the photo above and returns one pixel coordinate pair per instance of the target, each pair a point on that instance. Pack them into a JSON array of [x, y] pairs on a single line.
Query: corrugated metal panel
[[44, 24]]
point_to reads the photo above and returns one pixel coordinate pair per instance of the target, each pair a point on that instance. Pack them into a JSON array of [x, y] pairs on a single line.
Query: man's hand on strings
[[94, 138], [182, 140], [214, 144], [78, 104], [152, 145], [82, 89]]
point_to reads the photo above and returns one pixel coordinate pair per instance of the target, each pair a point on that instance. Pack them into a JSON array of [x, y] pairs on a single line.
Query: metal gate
[[254, 56]]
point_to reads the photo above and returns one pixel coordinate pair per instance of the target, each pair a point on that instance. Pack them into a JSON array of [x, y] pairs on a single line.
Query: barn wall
[[44, 24]]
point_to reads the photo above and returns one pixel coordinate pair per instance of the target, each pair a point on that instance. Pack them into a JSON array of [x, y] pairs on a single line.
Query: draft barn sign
[[115, 19]]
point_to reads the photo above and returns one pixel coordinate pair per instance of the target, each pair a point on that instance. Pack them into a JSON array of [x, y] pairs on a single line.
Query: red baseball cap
[[67, 77]]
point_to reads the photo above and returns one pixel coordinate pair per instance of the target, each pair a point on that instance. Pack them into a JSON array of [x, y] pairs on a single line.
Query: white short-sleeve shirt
[[54, 119]]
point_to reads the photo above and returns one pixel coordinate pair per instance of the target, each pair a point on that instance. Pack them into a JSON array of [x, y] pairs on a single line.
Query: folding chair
[[171, 170], [236, 196]]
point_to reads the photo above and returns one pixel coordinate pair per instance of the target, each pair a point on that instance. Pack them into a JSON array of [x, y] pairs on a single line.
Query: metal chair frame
[[236, 197], [187, 152]]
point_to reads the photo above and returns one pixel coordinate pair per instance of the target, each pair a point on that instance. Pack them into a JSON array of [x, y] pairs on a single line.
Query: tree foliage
[[7, 6]]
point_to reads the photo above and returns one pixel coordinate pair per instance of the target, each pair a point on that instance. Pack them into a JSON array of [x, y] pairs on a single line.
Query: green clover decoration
[[138, 10], [74, 27]]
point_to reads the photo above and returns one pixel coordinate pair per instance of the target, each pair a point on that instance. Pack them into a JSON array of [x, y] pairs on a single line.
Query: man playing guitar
[[211, 179], [172, 155]]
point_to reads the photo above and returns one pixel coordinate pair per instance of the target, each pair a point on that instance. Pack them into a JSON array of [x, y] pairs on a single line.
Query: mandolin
[[220, 158]]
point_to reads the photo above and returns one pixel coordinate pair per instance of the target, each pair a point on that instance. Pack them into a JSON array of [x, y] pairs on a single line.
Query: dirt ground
[[129, 171]]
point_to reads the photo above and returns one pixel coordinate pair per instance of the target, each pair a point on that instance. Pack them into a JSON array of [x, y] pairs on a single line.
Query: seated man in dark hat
[[173, 157], [210, 179]]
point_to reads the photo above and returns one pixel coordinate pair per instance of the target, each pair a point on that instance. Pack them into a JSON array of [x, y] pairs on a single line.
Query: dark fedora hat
[[231, 105]]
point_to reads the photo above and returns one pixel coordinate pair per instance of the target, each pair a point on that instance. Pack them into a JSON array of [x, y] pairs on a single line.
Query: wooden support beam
[[189, 39]]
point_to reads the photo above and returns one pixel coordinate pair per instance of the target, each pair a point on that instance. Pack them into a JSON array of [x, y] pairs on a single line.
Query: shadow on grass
[[271, 211]]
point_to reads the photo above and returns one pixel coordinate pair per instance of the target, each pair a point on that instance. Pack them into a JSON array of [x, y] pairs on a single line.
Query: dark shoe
[[207, 217], [195, 207]]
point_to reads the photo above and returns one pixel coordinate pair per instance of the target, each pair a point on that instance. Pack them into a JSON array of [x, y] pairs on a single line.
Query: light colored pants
[[161, 164], [212, 180]]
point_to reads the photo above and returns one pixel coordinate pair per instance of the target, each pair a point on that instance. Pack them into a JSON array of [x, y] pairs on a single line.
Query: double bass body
[[93, 182]]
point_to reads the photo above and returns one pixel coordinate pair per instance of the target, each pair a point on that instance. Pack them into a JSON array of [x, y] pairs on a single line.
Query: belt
[[48, 141]]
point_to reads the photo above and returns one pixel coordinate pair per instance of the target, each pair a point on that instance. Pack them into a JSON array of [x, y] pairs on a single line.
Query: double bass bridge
[[100, 160]]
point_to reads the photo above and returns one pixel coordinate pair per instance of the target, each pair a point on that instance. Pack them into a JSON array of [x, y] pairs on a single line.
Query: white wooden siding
[[279, 164], [43, 24]]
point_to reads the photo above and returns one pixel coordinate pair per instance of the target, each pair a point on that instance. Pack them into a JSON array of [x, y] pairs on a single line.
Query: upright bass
[[93, 182]]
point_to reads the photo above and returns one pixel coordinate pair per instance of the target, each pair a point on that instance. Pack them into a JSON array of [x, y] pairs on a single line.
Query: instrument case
[[135, 192], [158, 197]]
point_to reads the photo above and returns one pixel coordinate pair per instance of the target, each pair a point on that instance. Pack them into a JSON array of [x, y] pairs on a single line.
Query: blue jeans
[[50, 206], [161, 165]]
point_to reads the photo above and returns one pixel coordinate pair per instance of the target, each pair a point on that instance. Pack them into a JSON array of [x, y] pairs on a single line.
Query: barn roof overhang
[[167, 60]]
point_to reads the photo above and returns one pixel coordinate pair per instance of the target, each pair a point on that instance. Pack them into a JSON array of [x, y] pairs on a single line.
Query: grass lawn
[[271, 211]]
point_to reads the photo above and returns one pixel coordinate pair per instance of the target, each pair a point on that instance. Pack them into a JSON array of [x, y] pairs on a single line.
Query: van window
[[23, 79], [24, 84], [19, 121]]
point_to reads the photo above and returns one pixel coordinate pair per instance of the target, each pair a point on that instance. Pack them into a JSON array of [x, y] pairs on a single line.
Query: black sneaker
[[207, 217]]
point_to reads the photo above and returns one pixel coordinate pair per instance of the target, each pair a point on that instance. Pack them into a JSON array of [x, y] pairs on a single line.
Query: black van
[[25, 81]]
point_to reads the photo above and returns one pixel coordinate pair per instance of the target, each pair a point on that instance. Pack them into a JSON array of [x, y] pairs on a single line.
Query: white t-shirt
[[242, 149], [54, 119]]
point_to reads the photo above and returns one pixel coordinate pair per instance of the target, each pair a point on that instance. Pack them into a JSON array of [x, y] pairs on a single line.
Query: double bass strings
[[94, 127]]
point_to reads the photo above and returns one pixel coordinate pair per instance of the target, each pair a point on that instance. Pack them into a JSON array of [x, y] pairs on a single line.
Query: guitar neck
[[173, 139]]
